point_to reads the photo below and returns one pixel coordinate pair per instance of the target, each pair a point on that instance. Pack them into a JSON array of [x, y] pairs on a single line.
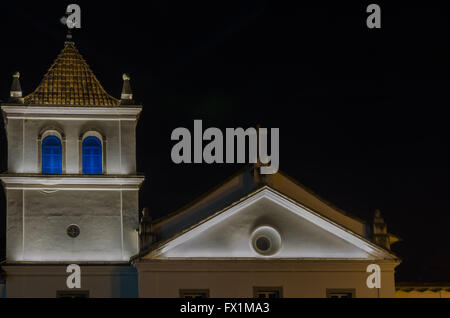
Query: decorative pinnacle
[[16, 90], [377, 213], [69, 37], [127, 94]]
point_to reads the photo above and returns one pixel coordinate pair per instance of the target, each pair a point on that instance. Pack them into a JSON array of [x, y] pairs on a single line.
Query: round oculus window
[[73, 230], [263, 243], [266, 241]]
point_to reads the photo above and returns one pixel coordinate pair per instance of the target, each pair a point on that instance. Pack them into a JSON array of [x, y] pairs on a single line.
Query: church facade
[[71, 185], [72, 198]]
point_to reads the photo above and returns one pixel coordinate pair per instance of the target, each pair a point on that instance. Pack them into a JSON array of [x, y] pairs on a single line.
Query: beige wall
[[236, 278], [43, 281]]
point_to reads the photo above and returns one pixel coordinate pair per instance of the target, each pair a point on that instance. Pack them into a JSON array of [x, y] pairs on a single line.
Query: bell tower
[[71, 185]]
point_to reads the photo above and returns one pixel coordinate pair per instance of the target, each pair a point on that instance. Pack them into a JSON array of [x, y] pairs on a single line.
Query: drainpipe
[[2, 284]]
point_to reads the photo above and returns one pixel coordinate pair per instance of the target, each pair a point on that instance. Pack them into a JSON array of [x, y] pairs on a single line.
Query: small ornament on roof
[[16, 90], [127, 95], [69, 38], [380, 233]]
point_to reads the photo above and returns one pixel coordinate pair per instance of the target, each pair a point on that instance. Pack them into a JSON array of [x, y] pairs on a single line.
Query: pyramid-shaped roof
[[70, 82]]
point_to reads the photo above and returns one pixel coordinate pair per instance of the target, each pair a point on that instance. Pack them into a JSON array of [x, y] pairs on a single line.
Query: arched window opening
[[92, 156], [51, 155]]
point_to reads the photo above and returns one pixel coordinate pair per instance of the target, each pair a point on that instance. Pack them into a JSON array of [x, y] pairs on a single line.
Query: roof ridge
[[70, 81], [199, 198], [320, 198]]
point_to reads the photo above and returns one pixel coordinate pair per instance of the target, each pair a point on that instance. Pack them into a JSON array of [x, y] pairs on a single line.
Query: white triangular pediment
[[299, 233]]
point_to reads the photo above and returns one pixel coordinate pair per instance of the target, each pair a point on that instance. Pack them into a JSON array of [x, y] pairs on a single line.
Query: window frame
[[101, 138], [52, 131], [62, 293], [182, 292], [351, 291], [258, 289]]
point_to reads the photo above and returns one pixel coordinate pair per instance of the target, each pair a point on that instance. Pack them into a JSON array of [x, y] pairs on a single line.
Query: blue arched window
[[92, 156], [51, 155]]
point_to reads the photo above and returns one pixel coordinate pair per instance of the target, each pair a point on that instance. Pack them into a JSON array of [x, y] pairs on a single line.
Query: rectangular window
[[340, 293], [72, 294], [267, 292], [194, 293]]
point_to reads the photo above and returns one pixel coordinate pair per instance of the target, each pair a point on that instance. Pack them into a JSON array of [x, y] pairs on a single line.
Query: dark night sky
[[361, 112]]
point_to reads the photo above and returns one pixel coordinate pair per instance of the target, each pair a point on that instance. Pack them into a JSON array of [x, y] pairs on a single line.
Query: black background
[[362, 112]]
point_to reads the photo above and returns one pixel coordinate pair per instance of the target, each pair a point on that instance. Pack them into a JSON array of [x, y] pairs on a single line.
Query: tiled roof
[[70, 82]]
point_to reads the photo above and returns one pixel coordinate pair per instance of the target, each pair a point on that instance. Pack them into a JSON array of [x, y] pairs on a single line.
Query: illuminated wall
[[40, 208], [45, 281], [237, 278], [24, 131], [306, 254], [38, 221]]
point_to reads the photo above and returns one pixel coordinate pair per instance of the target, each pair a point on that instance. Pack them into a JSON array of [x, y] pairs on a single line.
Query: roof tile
[[70, 81]]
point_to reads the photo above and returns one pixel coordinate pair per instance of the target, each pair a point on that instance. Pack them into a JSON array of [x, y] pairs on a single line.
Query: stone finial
[[127, 94], [69, 38], [15, 93], [380, 234], [377, 213]]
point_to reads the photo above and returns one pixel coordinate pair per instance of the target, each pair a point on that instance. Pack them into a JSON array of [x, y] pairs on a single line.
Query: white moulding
[[71, 113], [61, 182]]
